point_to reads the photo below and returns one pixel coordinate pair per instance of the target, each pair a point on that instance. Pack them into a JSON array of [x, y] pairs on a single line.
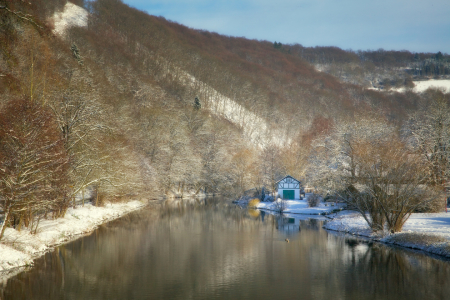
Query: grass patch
[[421, 240]]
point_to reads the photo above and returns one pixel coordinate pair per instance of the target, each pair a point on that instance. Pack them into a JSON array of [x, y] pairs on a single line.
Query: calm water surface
[[219, 251]]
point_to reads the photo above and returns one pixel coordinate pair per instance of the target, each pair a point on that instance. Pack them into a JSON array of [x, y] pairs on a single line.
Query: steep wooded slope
[[135, 78]]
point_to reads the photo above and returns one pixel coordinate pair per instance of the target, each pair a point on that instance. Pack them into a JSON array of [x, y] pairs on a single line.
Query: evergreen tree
[[197, 104]]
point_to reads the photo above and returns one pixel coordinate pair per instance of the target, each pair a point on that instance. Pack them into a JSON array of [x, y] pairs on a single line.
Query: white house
[[289, 188]]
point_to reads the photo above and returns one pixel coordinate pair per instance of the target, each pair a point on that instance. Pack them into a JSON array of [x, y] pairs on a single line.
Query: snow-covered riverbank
[[18, 249], [428, 232], [301, 207]]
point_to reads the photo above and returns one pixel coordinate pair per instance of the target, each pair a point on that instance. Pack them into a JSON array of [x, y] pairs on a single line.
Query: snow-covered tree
[[332, 162], [366, 164], [80, 120], [428, 131], [33, 164]]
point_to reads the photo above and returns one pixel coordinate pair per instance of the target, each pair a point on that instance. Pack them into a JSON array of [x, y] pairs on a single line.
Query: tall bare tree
[[428, 131], [80, 120], [33, 163]]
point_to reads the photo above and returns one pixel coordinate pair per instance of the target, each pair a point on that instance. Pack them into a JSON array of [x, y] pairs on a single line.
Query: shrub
[[254, 202], [330, 198], [280, 205], [433, 206], [313, 200], [268, 198]]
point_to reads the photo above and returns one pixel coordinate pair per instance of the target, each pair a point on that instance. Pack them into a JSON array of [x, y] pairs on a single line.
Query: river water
[[215, 250]]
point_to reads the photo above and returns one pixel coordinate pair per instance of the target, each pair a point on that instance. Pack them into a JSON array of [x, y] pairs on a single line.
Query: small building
[[289, 188]]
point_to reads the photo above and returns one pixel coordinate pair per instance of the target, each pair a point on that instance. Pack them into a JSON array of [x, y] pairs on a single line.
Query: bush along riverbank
[[18, 249], [428, 232]]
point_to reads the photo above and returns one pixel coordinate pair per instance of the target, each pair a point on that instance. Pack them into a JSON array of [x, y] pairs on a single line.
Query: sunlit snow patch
[[72, 15], [423, 85]]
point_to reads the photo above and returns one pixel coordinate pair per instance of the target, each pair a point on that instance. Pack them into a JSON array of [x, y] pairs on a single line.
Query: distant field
[[423, 85]]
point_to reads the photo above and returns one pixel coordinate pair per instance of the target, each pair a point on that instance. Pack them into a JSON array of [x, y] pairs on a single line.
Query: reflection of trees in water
[[390, 273], [100, 260], [24, 286], [200, 251], [352, 243], [313, 224]]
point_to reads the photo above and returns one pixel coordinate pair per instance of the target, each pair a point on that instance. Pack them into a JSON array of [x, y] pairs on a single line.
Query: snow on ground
[[423, 85], [349, 222], [301, 207], [72, 15], [429, 232], [18, 249]]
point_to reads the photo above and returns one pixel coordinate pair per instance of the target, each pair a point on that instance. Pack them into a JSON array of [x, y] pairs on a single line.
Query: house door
[[289, 194]]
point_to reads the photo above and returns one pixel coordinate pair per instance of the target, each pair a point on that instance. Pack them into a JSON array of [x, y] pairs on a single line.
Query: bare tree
[[79, 118], [33, 163], [271, 166], [391, 184], [280, 205], [333, 156], [428, 131], [313, 200], [374, 172], [212, 144], [244, 168]]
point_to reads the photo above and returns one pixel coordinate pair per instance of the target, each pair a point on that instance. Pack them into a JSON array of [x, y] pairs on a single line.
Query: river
[[216, 250]]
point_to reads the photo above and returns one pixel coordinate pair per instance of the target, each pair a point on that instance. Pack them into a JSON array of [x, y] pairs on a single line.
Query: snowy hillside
[[254, 127]]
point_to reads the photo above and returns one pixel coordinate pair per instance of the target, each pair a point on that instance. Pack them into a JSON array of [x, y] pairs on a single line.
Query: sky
[[414, 25]]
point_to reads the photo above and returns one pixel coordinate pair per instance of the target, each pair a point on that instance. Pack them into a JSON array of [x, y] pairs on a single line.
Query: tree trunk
[[3, 227]]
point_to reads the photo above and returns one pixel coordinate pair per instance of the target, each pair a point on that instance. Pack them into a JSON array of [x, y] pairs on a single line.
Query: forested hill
[[138, 105], [379, 68]]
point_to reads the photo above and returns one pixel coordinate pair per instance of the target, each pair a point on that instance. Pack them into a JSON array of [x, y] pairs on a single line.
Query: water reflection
[[212, 250], [288, 226]]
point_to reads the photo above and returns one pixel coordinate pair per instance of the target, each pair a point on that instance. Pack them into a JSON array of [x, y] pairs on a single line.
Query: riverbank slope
[[429, 232], [19, 248]]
